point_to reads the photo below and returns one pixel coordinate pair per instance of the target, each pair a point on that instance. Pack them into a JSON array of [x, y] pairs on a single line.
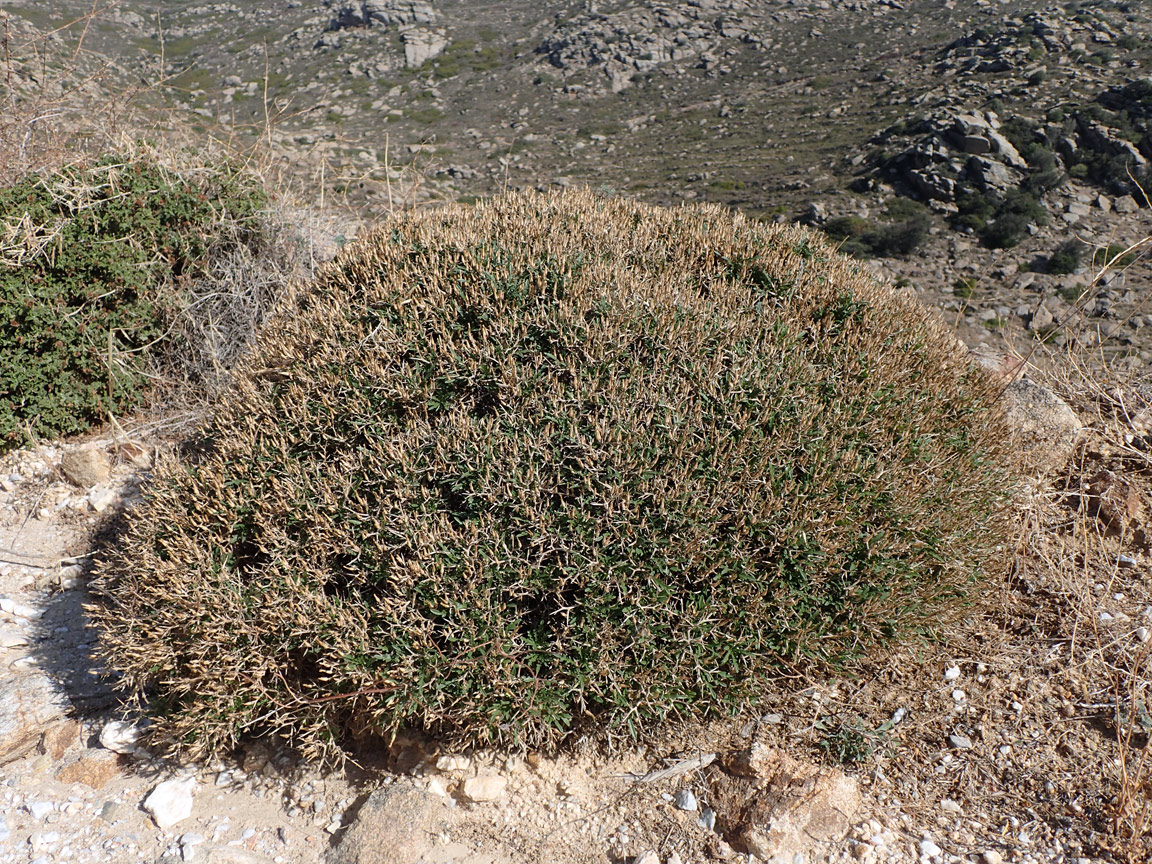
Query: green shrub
[[862, 238], [549, 465], [1013, 214], [1114, 254], [965, 288], [92, 265], [1067, 258]]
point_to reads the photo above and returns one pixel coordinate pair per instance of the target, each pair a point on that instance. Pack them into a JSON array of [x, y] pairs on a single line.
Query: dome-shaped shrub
[[507, 469]]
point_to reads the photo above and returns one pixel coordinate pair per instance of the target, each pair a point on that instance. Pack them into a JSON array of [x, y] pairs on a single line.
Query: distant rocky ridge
[[639, 38], [410, 17]]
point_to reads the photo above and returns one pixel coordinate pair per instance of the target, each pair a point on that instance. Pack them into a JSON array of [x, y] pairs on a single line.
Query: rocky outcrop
[[421, 44], [637, 39], [388, 13]]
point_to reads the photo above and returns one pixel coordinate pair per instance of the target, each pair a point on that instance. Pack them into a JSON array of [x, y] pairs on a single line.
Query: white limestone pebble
[[171, 801], [486, 787], [120, 736]]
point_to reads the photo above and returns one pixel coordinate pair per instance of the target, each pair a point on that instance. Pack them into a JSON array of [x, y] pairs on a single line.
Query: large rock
[[1045, 427], [777, 808], [421, 45], [86, 467], [390, 13], [30, 705]]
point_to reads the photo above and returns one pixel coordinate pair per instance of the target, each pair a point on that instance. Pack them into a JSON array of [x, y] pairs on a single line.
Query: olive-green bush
[[554, 464], [93, 265]]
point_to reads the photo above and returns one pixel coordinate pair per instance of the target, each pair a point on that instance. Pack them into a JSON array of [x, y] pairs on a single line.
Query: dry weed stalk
[[1079, 536]]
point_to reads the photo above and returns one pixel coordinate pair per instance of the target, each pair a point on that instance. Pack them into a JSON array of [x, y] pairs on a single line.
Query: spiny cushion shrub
[[92, 261], [551, 464]]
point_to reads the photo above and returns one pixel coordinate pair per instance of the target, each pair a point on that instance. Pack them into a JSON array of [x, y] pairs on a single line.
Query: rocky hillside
[[967, 143]]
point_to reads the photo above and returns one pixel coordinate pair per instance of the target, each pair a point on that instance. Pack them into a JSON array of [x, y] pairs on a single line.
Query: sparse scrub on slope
[[96, 266], [556, 464]]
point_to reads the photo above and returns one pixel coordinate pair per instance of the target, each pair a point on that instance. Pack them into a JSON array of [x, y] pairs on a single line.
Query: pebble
[[188, 844], [950, 806], [101, 498], [959, 696], [951, 673], [991, 856], [453, 763], [486, 787], [1142, 634], [120, 736], [646, 857], [1125, 561], [928, 849], [171, 802], [685, 800], [707, 818], [19, 610], [960, 742], [39, 809]]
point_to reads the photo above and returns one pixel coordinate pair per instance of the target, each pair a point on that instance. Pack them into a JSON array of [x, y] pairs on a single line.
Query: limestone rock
[[1045, 427], [421, 45], [389, 13], [29, 704], [120, 736], [486, 787], [86, 467], [171, 802], [1125, 204]]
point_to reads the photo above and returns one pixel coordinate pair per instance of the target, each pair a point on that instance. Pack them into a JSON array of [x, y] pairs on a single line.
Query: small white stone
[[437, 786], [991, 856], [171, 801], [950, 806], [928, 849], [19, 610], [486, 787], [453, 763], [40, 809], [685, 800], [951, 673], [1104, 616], [646, 857], [101, 498], [959, 696], [674, 858], [120, 736]]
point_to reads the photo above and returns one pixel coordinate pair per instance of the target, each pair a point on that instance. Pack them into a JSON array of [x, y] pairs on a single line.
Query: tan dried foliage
[[555, 464]]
